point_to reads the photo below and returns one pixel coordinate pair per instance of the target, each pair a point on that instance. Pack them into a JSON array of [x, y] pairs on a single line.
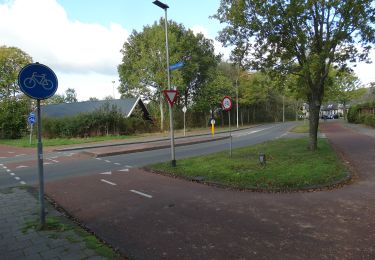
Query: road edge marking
[[141, 193]]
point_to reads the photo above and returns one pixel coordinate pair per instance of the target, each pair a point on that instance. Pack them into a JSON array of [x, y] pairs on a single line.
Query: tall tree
[[304, 37], [143, 68], [14, 106], [344, 88], [70, 95], [12, 60]]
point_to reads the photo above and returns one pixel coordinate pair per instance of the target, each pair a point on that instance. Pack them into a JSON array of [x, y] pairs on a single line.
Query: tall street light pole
[[238, 75], [113, 89], [165, 7]]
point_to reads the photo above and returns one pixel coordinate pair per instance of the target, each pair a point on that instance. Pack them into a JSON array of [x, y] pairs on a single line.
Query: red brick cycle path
[[185, 220]]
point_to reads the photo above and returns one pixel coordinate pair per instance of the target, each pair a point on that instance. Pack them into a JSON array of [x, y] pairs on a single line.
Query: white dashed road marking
[[106, 173], [17, 178], [107, 161], [52, 160], [111, 183], [117, 163], [99, 159], [21, 166], [12, 174], [142, 194], [124, 170], [23, 183]]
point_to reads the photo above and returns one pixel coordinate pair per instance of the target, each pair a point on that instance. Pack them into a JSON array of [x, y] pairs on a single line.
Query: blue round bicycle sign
[[37, 81]]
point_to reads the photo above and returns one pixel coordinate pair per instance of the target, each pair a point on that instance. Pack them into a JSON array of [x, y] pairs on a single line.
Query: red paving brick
[[186, 220]]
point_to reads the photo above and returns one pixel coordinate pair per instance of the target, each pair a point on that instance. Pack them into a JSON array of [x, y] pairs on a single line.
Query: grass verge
[[304, 128], [290, 166], [57, 229]]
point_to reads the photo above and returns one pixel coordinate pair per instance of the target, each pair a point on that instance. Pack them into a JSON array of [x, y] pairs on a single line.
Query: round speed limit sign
[[226, 103]]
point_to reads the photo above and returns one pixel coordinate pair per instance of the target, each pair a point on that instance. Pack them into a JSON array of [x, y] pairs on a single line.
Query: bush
[[98, 123], [368, 119], [355, 117]]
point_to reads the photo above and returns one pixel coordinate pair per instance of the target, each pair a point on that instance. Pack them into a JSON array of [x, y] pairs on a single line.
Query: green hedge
[[107, 120], [354, 115]]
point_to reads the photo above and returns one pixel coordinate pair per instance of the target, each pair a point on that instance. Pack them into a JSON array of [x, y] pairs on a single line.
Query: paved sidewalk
[[18, 209]]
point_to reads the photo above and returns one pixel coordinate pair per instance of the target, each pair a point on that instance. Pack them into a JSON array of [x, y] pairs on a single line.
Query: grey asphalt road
[[24, 169]]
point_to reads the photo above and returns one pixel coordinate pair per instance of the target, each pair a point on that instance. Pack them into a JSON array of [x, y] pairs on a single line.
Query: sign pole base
[[173, 163]]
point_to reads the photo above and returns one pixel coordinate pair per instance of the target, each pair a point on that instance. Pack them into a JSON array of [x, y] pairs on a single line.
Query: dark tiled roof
[[126, 106]]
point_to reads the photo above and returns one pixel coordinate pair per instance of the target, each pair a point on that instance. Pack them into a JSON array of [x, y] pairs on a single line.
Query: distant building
[[126, 106]]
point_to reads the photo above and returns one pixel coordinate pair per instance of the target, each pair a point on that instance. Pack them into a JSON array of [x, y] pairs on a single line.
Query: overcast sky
[[81, 39]]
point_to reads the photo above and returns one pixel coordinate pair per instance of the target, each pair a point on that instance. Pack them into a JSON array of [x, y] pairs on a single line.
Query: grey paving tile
[[17, 208], [12, 255], [50, 254]]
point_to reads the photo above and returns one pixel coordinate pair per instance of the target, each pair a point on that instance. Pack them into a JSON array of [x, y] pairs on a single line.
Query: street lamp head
[[161, 5]]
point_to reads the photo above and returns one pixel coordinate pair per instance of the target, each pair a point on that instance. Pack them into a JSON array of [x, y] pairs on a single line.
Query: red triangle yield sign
[[171, 96]]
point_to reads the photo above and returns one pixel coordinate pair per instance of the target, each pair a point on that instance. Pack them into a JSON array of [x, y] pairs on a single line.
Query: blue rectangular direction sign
[[177, 65]]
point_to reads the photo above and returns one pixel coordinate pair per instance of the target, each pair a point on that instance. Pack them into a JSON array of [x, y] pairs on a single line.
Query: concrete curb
[[155, 147], [146, 141]]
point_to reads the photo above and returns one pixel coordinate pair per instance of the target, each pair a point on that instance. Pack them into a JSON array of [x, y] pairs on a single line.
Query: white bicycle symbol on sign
[[38, 79]]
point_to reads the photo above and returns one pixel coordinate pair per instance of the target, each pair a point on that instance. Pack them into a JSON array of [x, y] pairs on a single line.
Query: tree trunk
[[314, 108]]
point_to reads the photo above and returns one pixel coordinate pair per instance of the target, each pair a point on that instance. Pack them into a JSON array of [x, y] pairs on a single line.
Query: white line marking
[[46, 163], [17, 178], [22, 154], [23, 183], [12, 173], [98, 159], [3, 157], [142, 194], [111, 183], [107, 161], [52, 160], [106, 173], [5, 167], [128, 166], [124, 170], [117, 163], [21, 166], [8, 170], [1, 164], [10, 152], [54, 157]]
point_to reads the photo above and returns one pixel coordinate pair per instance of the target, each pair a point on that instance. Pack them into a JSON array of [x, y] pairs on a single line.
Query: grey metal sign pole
[[38, 81], [40, 167], [230, 136], [169, 87]]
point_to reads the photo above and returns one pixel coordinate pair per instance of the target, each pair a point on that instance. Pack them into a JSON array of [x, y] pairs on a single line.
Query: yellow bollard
[[213, 127]]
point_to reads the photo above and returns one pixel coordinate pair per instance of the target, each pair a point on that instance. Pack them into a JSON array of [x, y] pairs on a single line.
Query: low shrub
[[101, 122]]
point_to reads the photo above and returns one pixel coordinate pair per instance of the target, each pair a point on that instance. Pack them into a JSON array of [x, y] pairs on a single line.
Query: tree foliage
[[70, 95], [305, 38], [14, 106], [12, 60], [143, 68]]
